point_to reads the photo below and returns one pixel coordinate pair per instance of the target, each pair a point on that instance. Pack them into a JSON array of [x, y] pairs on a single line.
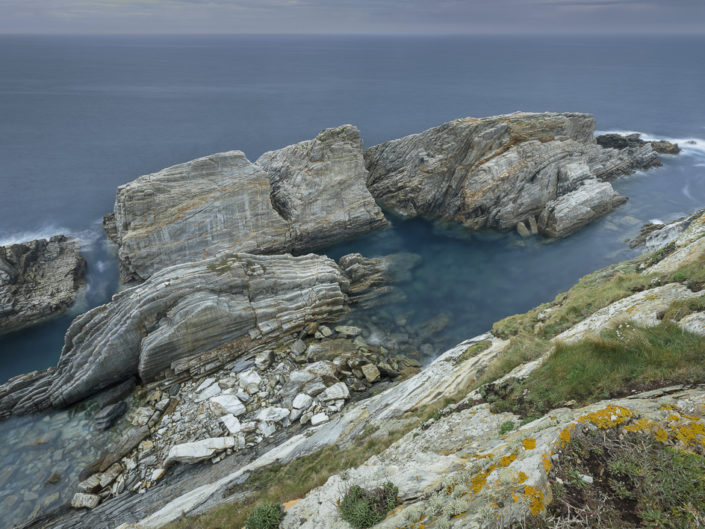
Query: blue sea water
[[81, 115]]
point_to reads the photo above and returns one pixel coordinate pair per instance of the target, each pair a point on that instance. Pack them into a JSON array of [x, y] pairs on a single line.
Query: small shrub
[[506, 427], [364, 508], [267, 515]]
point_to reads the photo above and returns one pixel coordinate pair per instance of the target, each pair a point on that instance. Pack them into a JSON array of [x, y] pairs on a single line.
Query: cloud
[[353, 16]]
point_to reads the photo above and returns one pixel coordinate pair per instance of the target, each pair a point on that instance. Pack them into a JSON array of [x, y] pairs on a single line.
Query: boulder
[[498, 171], [198, 450], [296, 198], [337, 391], [227, 404], [180, 312], [81, 500], [38, 280]]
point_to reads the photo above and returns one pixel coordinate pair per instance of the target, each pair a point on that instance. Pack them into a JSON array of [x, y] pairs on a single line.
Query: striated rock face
[[634, 141], [319, 187], [182, 311], [497, 172], [38, 279], [313, 194]]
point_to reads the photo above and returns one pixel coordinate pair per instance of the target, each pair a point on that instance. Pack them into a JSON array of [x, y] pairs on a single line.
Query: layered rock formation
[[297, 198], [500, 171], [38, 280], [634, 141], [182, 311]]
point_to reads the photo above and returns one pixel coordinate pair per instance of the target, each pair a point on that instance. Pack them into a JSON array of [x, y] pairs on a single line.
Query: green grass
[[474, 350], [612, 364], [364, 508], [506, 427], [637, 482], [267, 515], [283, 483]]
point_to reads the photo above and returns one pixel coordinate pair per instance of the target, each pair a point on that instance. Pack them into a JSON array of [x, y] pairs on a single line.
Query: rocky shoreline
[[236, 345]]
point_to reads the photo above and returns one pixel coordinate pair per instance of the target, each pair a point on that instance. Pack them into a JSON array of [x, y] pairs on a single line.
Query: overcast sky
[[352, 16]]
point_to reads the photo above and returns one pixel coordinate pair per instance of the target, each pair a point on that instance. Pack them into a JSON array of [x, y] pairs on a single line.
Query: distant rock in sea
[[498, 172], [38, 279], [294, 199]]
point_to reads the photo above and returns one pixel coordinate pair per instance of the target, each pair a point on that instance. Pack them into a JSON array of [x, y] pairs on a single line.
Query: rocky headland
[[38, 280], [533, 172]]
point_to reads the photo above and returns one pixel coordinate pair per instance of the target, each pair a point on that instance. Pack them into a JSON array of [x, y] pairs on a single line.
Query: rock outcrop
[[634, 141], [294, 199], [182, 311], [499, 171], [38, 280]]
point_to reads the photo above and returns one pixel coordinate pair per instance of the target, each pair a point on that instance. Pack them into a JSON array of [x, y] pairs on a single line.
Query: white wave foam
[[657, 221], [85, 238], [689, 146]]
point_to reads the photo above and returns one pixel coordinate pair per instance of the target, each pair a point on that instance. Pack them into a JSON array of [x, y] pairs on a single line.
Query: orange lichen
[[661, 435], [507, 460], [547, 463], [522, 477], [529, 443], [640, 425], [564, 436], [535, 499], [608, 417]]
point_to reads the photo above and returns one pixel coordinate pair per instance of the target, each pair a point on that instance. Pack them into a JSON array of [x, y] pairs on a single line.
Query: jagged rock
[[227, 404], [87, 501], [109, 415], [302, 401], [319, 187], [665, 147], [91, 484], [371, 278], [250, 380], [198, 450], [116, 451], [272, 414], [297, 198], [348, 330], [319, 418], [631, 141], [38, 279], [107, 477], [573, 210], [232, 424], [523, 230], [264, 359], [337, 391], [182, 311], [496, 172], [371, 372]]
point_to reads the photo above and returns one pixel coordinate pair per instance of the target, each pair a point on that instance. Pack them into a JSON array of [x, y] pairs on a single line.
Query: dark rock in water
[[665, 147], [38, 280], [630, 141], [109, 415], [116, 393], [297, 198], [496, 172]]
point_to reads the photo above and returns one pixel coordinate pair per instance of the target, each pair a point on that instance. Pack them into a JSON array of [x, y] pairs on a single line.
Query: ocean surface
[[81, 115]]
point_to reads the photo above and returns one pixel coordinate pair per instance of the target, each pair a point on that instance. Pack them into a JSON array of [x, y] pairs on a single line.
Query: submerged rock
[[500, 171], [180, 312], [296, 198], [38, 279]]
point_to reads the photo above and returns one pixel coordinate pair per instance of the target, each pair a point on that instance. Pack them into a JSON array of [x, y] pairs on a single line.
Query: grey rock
[[297, 198], [371, 372], [232, 424], [198, 450], [495, 172], [227, 404], [302, 401], [87, 501], [208, 392], [38, 280], [318, 418], [180, 312], [523, 230], [319, 187], [348, 330], [264, 359], [337, 391], [109, 415]]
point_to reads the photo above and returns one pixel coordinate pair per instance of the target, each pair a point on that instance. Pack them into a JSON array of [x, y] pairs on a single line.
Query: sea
[[81, 115]]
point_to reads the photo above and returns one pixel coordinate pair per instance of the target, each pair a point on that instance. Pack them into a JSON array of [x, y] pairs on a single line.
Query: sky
[[352, 16]]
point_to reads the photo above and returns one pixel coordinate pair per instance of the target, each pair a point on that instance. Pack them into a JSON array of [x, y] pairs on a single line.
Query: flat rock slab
[[198, 450]]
